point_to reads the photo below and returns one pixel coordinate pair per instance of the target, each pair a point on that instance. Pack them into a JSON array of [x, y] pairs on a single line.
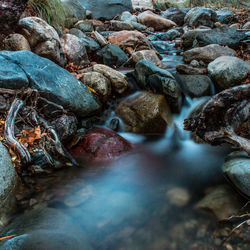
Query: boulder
[[223, 35], [74, 50], [201, 16], [8, 180], [42, 38], [45, 228], [16, 42], [130, 40], [208, 53], [225, 16], [237, 169], [118, 80], [145, 112], [157, 22], [190, 70], [101, 144], [53, 82], [99, 83], [175, 15], [89, 43], [149, 55], [112, 7], [228, 71], [112, 55], [160, 80], [196, 85]]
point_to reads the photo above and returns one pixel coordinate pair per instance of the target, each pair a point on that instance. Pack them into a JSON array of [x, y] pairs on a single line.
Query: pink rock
[[101, 144]]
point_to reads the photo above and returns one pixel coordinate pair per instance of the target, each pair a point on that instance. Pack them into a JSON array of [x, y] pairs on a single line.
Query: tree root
[[222, 116]]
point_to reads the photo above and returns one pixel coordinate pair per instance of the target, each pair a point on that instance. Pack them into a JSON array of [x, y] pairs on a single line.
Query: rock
[[118, 80], [175, 15], [223, 35], [8, 180], [228, 71], [112, 7], [157, 22], [177, 3], [149, 55], [65, 126], [237, 169], [84, 25], [195, 63], [100, 39], [208, 53], [172, 34], [127, 25], [190, 36], [112, 55], [16, 42], [89, 43], [53, 82], [235, 26], [160, 80], [145, 112], [196, 85], [74, 50], [190, 70], [201, 16], [99, 83], [246, 26], [74, 9], [130, 40], [46, 228], [10, 13], [42, 38], [101, 144], [178, 196], [225, 16], [127, 16], [220, 201]]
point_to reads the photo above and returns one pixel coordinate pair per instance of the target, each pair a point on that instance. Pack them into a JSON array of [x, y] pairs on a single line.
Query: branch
[[9, 132]]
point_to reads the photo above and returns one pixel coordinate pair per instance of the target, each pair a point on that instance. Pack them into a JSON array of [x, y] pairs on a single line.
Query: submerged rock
[[228, 71], [208, 53], [8, 183], [53, 82], [101, 145], [178, 196], [201, 16], [45, 228], [157, 22], [237, 169], [145, 112], [221, 201]]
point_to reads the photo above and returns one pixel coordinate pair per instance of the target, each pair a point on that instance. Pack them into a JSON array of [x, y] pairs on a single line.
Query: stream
[[146, 199]]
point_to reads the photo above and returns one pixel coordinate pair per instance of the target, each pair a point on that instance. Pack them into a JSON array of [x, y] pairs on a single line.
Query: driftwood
[[221, 118], [9, 132]]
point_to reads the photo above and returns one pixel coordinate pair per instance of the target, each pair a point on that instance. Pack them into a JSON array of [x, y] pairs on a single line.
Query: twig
[[9, 132]]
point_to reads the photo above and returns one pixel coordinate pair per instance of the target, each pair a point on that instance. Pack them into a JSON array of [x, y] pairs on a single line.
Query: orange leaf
[[7, 237]]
